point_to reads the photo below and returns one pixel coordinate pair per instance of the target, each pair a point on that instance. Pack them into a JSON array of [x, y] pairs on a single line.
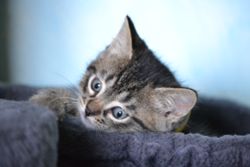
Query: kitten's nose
[[94, 107]]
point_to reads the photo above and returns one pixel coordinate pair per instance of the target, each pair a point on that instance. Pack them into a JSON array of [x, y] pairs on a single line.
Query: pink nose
[[94, 107]]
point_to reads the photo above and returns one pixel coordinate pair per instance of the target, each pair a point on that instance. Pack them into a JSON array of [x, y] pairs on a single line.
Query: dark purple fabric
[[28, 135], [17, 92], [80, 147]]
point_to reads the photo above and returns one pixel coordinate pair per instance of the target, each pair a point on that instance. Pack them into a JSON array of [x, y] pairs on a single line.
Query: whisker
[[59, 98], [74, 88]]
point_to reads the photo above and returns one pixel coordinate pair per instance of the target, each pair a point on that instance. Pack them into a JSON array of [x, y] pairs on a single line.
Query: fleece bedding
[[31, 136]]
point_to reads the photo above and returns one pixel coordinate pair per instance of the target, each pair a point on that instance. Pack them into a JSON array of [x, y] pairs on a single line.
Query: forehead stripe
[[103, 72], [139, 122], [109, 78], [131, 107], [92, 69], [126, 98]]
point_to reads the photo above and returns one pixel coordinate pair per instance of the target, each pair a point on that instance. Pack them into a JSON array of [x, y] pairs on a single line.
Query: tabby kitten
[[125, 89]]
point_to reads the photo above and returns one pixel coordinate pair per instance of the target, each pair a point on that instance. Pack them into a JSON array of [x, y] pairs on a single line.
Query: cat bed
[[29, 137]]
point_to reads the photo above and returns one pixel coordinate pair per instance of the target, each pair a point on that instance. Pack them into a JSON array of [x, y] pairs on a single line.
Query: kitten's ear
[[175, 103], [126, 40]]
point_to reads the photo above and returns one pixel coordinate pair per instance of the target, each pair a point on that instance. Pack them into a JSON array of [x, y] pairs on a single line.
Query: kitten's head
[[128, 89]]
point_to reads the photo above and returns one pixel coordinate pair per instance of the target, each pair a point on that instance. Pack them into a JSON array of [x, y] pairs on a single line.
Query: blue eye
[[118, 113], [96, 85]]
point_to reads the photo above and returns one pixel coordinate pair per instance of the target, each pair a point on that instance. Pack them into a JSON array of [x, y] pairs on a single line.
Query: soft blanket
[[28, 135]]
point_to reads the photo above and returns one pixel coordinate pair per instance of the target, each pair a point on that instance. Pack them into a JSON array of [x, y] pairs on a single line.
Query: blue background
[[205, 43]]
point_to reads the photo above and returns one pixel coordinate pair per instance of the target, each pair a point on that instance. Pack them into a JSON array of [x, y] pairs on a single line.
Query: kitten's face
[[127, 89]]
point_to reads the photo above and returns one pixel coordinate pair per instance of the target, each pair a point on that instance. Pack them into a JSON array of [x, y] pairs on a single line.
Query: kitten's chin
[[85, 120]]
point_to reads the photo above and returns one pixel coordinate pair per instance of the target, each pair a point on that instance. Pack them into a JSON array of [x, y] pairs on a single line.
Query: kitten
[[125, 89]]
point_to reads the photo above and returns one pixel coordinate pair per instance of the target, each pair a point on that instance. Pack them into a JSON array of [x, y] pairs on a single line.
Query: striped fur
[[126, 88], [134, 79]]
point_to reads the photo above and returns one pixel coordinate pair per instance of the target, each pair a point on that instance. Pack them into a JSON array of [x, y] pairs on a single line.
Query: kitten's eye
[[118, 113], [96, 85]]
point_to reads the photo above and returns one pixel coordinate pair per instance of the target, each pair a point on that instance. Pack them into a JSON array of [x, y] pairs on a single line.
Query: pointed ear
[[176, 103], [126, 40]]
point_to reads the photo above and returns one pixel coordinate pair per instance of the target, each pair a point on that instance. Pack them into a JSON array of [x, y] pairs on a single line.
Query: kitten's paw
[[58, 100]]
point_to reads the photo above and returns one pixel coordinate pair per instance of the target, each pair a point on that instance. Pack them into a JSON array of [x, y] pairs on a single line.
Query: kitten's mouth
[[82, 107], [87, 112], [86, 120]]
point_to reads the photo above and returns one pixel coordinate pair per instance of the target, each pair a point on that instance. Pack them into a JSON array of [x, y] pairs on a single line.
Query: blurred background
[[205, 43]]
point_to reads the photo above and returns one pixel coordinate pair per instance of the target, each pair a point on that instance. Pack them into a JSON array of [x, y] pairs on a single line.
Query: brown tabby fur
[[132, 79]]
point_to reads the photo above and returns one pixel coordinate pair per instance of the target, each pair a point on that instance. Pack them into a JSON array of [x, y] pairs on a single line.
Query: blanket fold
[[29, 137], [150, 149]]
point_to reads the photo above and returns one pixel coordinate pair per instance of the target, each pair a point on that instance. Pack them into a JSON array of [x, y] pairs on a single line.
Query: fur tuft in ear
[[122, 44], [175, 104], [126, 40]]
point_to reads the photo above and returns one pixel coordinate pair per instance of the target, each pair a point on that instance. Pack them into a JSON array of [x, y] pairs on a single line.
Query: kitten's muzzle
[[94, 107], [89, 113]]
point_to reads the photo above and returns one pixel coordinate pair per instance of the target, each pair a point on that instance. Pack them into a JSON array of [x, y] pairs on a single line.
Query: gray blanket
[[29, 136]]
